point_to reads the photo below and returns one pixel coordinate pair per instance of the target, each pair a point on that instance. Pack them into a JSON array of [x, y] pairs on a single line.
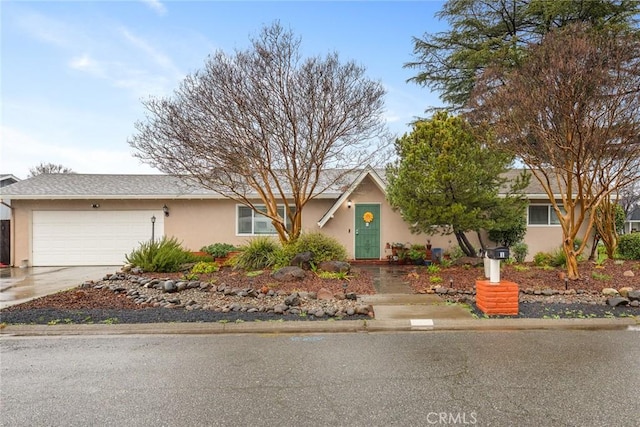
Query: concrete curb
[[302, 327]]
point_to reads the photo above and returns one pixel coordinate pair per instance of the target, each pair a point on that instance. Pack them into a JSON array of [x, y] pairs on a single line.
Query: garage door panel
[[90, 237]]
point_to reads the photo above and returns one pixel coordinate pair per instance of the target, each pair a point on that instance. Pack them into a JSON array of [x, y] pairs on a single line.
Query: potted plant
[[416, 254], [398, 252]]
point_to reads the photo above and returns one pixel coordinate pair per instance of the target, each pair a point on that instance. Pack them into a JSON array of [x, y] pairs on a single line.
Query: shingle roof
[[74, 186], [82, 186]]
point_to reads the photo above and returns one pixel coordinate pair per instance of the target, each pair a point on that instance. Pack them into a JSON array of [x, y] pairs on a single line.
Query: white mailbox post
[[493, 258]]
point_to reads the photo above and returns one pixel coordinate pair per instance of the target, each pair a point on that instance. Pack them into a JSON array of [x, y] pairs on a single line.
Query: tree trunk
[[572, 259], [594, 247], [464, 243]]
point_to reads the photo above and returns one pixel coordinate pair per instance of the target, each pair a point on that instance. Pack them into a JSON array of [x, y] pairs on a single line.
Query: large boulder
[[335, 266], [288, 274], [302, 260]]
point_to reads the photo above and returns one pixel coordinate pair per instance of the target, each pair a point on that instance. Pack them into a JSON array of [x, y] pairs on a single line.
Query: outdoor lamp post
[[153, 228]]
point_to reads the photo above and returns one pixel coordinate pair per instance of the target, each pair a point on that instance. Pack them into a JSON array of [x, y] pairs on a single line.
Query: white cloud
[[88, 64], [156, 6]]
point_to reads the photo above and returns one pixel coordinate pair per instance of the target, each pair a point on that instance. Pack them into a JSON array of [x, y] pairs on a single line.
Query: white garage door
[[90, 237]]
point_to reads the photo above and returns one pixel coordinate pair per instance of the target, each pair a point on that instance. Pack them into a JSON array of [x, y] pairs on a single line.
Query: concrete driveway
[[18, 285]]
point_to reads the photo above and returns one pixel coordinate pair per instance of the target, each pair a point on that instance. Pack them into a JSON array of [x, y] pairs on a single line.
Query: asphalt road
[[525, 378]]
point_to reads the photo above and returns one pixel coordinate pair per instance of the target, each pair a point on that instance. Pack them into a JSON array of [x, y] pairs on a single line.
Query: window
[[254, 223], [543, 215]]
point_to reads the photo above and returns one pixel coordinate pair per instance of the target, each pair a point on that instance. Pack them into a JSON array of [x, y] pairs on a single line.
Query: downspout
[[12, 252]]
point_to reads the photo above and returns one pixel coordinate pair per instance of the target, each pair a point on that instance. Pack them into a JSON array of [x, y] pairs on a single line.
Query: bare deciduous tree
[[43, 168], [571, 113], [266, 124]]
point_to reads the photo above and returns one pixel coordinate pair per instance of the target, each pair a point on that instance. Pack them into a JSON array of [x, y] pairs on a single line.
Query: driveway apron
[[18, 285]]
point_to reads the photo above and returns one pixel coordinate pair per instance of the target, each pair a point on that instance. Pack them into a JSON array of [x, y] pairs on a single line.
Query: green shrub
[[433, 269], [456, 253], [629, 246], [219, 250], [542, 259], [417, 253], [558, 258], [334, 275], [324, 248], [205, 268], [261, 252], [510, 235], [520, 251], [165, 255]]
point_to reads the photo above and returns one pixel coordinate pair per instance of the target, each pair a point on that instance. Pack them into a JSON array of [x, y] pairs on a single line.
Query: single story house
[[78, 219]]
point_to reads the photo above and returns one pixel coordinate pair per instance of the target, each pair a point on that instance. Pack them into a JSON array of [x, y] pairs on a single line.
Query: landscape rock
[[288, 274], [302, 260], [616, 301], [280, 308], [292, 300], [628, 273], [610, 292], [624, 292], [335, 266], [170, 286], [634, 295], [324, 294]]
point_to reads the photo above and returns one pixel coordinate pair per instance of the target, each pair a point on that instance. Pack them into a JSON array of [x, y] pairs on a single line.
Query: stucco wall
[[197, 223], [393, 229]]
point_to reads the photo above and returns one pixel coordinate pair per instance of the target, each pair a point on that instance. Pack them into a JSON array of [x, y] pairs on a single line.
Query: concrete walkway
[[414, 307], [395, 300]]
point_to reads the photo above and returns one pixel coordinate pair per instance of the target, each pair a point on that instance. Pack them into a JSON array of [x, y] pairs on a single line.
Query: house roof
[[83, 186], [98, 186]]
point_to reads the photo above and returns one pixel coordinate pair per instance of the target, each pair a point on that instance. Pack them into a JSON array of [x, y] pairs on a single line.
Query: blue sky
[[73, 73]]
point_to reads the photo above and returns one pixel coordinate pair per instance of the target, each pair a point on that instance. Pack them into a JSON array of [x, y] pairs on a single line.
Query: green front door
[[367, 231]]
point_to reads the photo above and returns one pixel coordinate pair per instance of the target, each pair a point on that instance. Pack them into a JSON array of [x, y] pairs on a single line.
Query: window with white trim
[[251, 223], [543, 215]]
